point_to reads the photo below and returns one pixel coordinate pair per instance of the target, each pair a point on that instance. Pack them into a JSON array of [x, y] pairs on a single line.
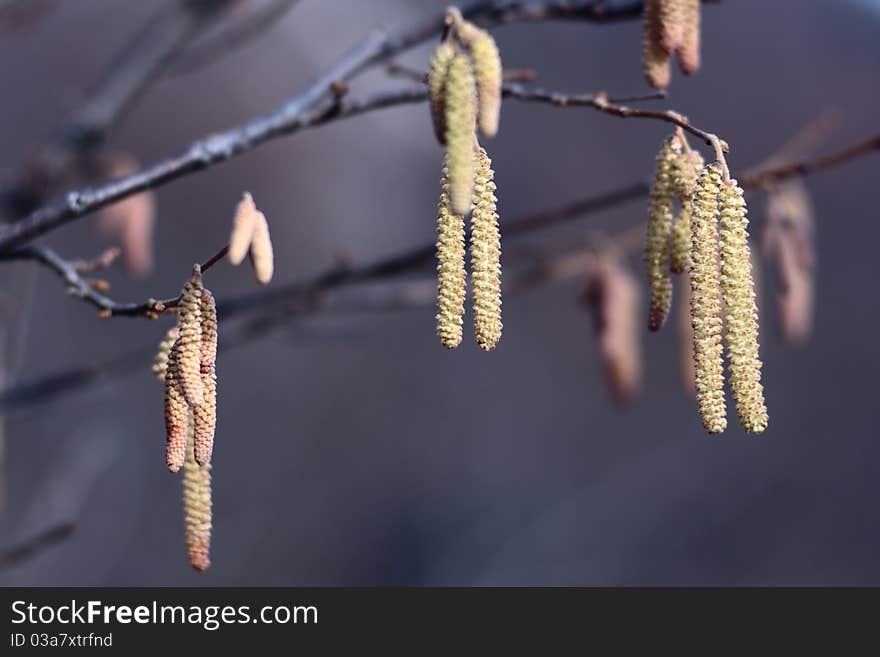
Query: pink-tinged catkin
[[197, 509], [656, 255], [262, 256], [486, 256], [205, 419], [655, 59], [189, 322], [451, 276], [176, 413], [243, 223], [208, 344], [437, 74], [689, 51], [706, 319], [671, 14], [741, 312]]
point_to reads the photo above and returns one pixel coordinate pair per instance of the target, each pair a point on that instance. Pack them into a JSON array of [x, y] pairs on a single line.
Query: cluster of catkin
[[186, 362], [465, 90], [671, 27], [250, 237], [709, 239]]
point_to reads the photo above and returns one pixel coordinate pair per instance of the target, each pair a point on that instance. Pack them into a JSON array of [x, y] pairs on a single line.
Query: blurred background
[[351, 448]]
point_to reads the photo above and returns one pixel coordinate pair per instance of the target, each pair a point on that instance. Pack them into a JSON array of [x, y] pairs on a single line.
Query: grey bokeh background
[[353, 450]]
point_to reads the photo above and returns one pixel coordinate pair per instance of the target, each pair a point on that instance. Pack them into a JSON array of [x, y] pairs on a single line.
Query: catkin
[[197, 509], [437, 75], [190, 324], [689, 51], [659, 228], [655, 59], [486, 256], [687, 167], [461, 116], [176, 413], [242, 229], [205, 419], [262, 258], [488, 74], [160, 362], [671, 13], [705, 278], [741, 311], [451, 276], [208, 344]]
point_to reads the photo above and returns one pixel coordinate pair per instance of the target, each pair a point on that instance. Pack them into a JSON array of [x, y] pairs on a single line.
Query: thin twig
[[36, 545]]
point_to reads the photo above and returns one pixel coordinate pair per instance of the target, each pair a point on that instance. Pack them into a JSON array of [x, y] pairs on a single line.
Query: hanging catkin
[[197, 509], [437, 75], [689, 51], [189, 342], [487, 72], [451, 275], [262, 257], [659, 228], [687, 168], [205, 414], [741, 311], [208, 343], [461, 115], [242, 229], [160, 362], [705, 278], [671, 15], [486, 256], [176, 413], [655, 59]]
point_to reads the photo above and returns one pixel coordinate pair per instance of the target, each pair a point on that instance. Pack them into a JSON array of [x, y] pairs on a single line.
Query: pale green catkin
[[741, 311], [451, 276], [197, 508], [659, 228], [487, 72], [687, 168], [486, 256], [705, 279], [461, 116], [437, 75]]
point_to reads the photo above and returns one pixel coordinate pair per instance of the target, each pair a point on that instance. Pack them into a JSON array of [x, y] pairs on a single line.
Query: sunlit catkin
[[262, 256], [741, 311], [451, 275], [655, 59], [689, 51], [242, 229], [687, 168], [176, 413], [437, 74], [189, 322], [208, 344], [197, 509], [705, 279], [659, 228], [160, 362], [461, 116], [205, 419], [486, 256], [488, 74]]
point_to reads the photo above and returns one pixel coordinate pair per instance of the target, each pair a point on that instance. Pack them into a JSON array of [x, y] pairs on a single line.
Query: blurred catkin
[[197, 509], [687, 168], [242, 229], [205, 419], [705, 278], [461, 116], [741, 311], [437, 75], [262, 257], [176, 413], [451, 277], [189, 341], [655, 59], [487, 72], [671, 15], [486, 256], [659, 228], [208, 345], [689, 51], [160, 362]]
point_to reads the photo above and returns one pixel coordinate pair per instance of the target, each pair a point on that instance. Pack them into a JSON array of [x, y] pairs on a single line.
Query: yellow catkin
[[461, 116], [659, 228], [705, 278], [208, 345], [671, 13], [437, 74], [189, 322], [655, 59], [488, 74], [262, 257], [197, 509], [689, 51], [486, 256], [741, 311], [242, 229], [176, 413], [160, 362], [687, 167], [205, 419], [451, 277]]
